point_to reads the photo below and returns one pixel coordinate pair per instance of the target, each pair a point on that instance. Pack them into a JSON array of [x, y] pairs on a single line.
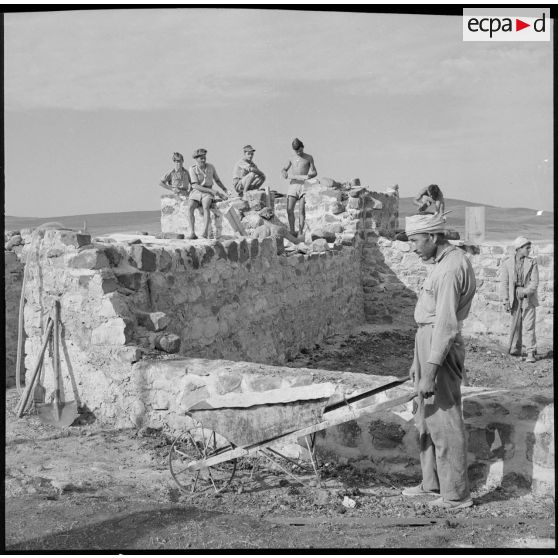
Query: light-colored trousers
[[439, 420], [528, 317]]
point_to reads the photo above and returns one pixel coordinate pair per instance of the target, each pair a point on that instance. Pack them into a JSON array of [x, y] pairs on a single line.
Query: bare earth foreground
[[88, 487]]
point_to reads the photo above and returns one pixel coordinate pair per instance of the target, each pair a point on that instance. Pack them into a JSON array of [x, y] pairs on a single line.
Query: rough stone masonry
[[138, 311]]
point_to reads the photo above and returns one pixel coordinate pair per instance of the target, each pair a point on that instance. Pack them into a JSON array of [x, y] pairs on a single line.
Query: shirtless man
[[202, 177], [303, 169], [246, 175], [430, 197]]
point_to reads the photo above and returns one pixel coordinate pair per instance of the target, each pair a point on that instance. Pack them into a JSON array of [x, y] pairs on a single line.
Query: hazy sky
[[97, 101]]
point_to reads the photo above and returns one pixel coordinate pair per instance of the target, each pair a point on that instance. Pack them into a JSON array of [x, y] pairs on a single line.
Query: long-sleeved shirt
[[445, 300]]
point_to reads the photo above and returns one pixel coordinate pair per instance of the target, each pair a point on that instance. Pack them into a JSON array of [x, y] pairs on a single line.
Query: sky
[[96, 102]]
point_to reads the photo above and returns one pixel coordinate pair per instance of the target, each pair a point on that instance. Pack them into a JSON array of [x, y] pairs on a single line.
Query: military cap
[[199, 152]]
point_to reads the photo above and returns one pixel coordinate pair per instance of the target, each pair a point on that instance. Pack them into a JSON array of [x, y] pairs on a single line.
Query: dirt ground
[[89, 487]]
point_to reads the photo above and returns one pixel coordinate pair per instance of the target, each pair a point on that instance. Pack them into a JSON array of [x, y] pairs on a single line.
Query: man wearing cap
[[246, 175], [443, 303], [177, 180], [272, 229], [519, 281], [303, 169], [202, 176]]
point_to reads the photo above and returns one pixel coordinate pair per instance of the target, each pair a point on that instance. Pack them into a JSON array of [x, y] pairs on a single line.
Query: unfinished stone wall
[[14, 265], [331, 213], [392, 275]]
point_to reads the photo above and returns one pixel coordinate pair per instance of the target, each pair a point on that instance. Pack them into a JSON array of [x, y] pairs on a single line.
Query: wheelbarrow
[[228, 429]]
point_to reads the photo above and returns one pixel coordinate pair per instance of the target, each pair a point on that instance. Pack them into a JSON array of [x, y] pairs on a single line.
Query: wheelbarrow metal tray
[[246, 419]]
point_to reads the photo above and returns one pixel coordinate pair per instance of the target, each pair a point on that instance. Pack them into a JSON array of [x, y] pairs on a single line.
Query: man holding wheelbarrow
[[444, 302], [519, 281]]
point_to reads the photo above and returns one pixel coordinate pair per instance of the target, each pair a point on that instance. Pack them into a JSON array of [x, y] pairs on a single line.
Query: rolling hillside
[[501, 223]]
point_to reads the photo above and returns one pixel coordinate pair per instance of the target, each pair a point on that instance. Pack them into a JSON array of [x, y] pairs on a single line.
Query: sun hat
[[425, 224], [520, 241]]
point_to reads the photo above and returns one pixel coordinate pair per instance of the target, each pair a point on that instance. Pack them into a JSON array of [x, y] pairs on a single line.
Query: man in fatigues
[[444, 302], [202, 177], [303, 169], [246, 175], [519, 281], [177, 180]]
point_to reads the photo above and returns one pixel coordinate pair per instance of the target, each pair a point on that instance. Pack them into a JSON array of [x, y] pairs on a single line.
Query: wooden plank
[[268, 397], [234, 220]]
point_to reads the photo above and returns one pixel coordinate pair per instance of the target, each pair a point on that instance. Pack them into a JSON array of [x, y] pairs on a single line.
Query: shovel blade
[[60, 415]]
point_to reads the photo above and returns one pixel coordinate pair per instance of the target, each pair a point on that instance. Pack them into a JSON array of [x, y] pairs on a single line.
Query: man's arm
[[165, 181], [446, 327], [284, 170], [533, 283], [312, 172], [218, 182], [417, 201]]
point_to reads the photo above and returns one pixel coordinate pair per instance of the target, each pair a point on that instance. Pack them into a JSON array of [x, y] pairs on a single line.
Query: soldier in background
[[519, 281], [430, 197]]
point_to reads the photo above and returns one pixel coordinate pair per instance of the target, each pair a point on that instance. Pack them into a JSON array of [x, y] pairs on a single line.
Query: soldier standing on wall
[[444, 302], [303, 169]]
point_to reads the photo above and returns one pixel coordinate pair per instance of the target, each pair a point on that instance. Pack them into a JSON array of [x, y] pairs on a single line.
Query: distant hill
[[501, 223]]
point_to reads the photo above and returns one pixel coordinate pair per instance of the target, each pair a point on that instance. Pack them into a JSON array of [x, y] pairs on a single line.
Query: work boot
[[440, 503], [530, 357], [418, 491], [515, 353]]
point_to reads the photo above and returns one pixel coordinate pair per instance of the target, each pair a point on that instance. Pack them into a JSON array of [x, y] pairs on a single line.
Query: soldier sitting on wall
[[177, 180], [247, 176], [273, 229]]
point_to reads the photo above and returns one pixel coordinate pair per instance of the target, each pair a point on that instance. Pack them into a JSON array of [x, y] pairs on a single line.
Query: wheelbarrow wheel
[[195, 444]]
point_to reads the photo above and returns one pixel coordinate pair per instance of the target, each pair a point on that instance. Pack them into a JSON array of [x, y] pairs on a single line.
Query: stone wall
[[392, 275], [14, 264], [123, 300], [331, 213], [13, 276]]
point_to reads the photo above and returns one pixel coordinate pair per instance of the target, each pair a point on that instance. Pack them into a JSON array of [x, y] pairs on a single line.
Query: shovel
[[58, 413]]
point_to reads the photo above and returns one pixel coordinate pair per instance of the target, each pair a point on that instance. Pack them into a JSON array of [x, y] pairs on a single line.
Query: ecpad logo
[[497, 27]]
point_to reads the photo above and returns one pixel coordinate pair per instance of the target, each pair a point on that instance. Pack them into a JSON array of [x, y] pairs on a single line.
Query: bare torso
[[302, 164]]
